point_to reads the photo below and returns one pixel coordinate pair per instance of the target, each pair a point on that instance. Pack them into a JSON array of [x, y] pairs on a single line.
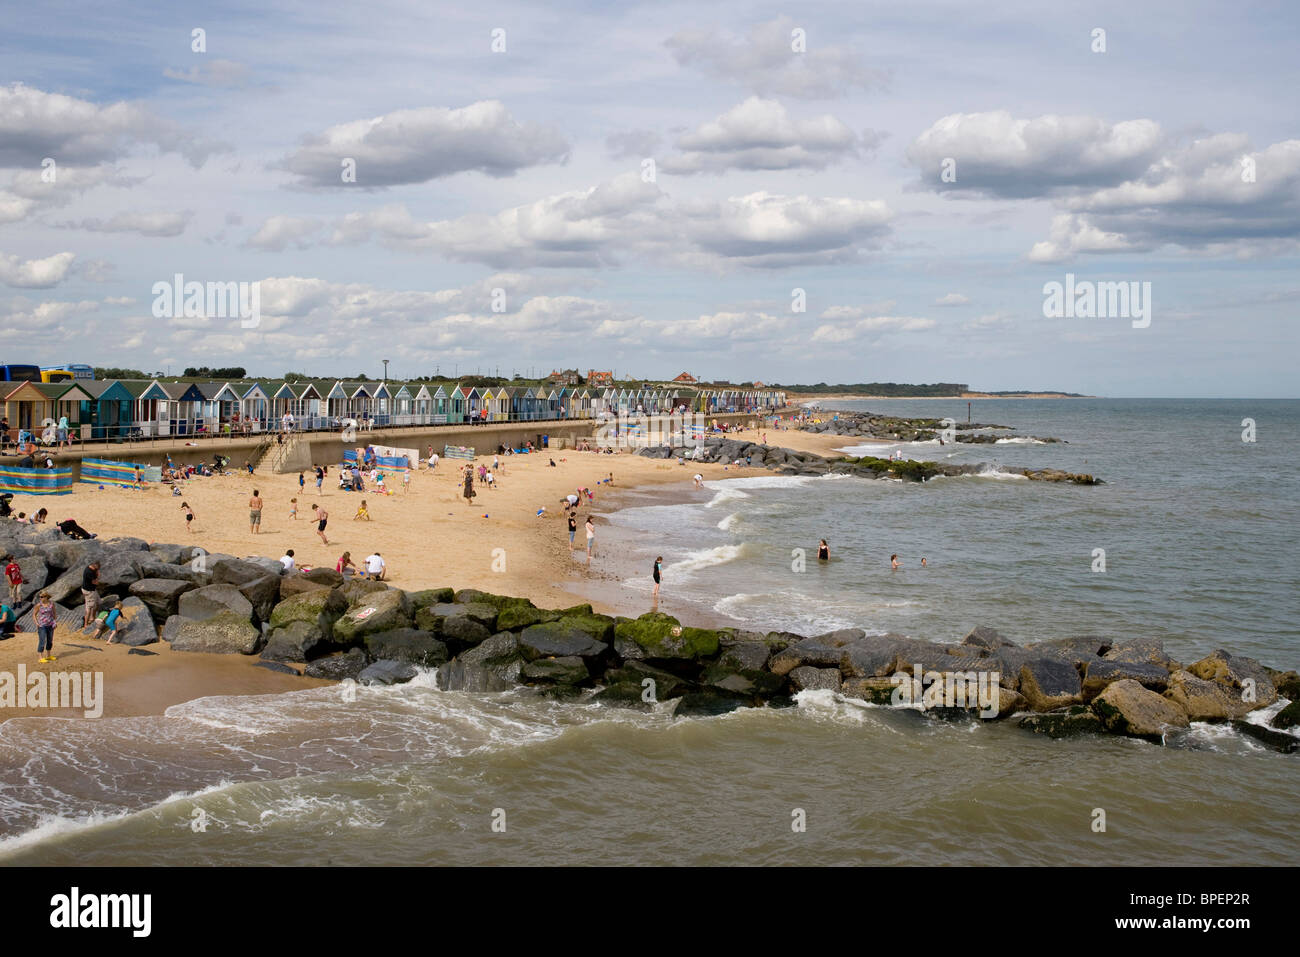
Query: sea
[[1191, 539]]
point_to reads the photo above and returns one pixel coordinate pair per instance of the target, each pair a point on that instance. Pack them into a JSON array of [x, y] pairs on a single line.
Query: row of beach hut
[[110, 408]]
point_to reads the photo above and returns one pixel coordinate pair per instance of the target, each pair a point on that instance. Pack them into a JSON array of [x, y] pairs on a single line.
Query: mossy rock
[[569, 670], [634, 673], [600, 627], [1288, 717], [624, 696], [519, 614], [576, 610], [376, 612], [431, 596], [662, 636], [467, 595], [320, 606]]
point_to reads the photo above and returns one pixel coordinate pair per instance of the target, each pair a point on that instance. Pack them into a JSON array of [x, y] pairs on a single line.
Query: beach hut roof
[[59, 390], [107, 389]]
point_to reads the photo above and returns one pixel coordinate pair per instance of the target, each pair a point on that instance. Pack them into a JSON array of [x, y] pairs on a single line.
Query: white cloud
[[35, 273], [418, 145], [35, 124], [952, 299], [163, 224], [279, 232], [996, 154], [223, 73], [761, 134], [765, 61]]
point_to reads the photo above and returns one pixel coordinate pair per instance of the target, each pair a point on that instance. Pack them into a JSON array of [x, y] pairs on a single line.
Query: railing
[[211, 433]]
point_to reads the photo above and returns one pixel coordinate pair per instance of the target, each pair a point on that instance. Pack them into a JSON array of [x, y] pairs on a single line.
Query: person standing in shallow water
[[894, 562], [823, 551], [658, 575]]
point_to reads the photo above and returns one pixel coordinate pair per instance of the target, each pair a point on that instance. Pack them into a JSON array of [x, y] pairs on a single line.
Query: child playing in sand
[[189, 516], [110, 620], [293, 507], [362, 512]]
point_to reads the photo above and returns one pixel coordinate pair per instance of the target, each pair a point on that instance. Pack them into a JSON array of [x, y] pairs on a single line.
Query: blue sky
[[775, 169]]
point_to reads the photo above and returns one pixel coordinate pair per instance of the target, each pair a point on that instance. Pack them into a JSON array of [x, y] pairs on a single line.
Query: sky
[[792, 193]]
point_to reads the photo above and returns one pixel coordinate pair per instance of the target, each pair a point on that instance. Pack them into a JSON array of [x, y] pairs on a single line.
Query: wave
[[708, 558], [725, 495], [730, 523], [1020, 440]]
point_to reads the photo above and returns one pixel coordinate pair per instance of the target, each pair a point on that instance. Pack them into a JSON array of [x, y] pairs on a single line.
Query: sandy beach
[[428, 536]]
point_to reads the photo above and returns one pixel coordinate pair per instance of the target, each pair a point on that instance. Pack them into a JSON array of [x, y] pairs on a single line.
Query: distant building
[[567, 377], [759, 385], [599, 378], [686, 377]]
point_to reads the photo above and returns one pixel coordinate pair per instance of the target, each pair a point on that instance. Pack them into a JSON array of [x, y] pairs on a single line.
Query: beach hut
[[67, 399], [499, 403], [557, 402], [381, 404], [422, 405], [254, 406], [109, 412], [440, 406], [25, 405]]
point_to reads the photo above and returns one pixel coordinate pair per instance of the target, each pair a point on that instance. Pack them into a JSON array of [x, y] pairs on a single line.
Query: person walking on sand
[[320, 478], [302, 482], [189, 517], [255, 512], [658, 573], [293, 507], [322, 517], [469, 492], [591, 538], [46, 614], [573, 530]]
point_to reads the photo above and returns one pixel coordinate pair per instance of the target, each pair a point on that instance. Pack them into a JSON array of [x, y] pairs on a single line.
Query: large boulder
[[568, 669], [65, 554], [1048, 683], [1103, 672], [356, 589], [663, 684], [323, 575], [495, 664], [823, 651], [808, 678], [875, 656], [388, 673], [1205, 700], [658, 636], [746, 681], [1288, 717], [1063, 723], [407, 644], [872, 689], [202, 603], [1244, 677], [521, 614], [262, 593], [1150, 651], [161, 595], [296, 641], [375, 612], [223, 633], [1277, 740], [170, 572], [235, 571], [168, 553], [35, 573], [744, 655], [433, 617], [293, 585], [338, 667], [117, 570], [431, 596], [709, 703], [987, 638], [66, 589], [320, 608], [559, 640], [1127, 708], [141, 628]]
